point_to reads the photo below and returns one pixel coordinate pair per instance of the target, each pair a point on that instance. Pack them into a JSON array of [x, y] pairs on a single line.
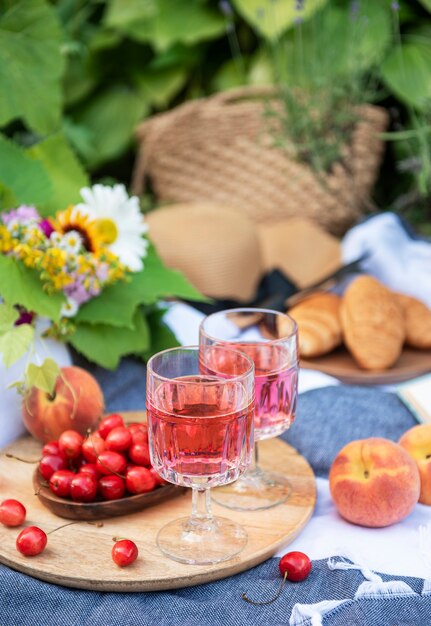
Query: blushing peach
[[77, 403], [417, 442], [374, 482]]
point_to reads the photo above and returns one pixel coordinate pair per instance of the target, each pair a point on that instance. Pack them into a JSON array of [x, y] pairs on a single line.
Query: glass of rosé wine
[[200, 429], [270, 339]]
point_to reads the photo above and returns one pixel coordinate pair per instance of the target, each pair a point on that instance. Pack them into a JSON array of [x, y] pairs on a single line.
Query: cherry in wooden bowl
[[101, 509]]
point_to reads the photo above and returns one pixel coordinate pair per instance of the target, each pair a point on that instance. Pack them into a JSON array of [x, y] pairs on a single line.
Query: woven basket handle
[[231, 96]]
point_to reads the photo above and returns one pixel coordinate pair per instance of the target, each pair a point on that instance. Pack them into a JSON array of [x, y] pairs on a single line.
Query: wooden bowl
[[104, 508]]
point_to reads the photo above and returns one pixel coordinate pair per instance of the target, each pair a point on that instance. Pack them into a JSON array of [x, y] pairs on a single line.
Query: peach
[[417, 442], [77, 403], [374, 482]]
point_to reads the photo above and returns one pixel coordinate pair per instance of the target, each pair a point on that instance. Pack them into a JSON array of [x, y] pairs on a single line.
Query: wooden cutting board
[[80, 555]]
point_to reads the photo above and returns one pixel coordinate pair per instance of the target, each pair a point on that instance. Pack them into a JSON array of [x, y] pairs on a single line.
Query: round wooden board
[[80, 555], [341, 365]]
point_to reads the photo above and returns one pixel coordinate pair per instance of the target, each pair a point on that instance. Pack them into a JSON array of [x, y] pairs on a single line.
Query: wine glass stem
[[254, 468], [201, 508]]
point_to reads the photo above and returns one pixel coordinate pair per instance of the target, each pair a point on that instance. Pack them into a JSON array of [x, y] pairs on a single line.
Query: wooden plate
[[100, 510], [341, 365], [88, 548]]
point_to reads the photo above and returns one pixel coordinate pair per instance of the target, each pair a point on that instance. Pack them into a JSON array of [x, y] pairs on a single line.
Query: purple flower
[[354, 9], [395, 6], [46, 227], [225, 8], [23, 214], [77, 292], [26, 317]]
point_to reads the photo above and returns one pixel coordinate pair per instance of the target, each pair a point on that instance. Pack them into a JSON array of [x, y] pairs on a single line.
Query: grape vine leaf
[[20, 285], [25, 178], [105, 345], [42, 376], [8, 316], [31, 64], [15, 343]]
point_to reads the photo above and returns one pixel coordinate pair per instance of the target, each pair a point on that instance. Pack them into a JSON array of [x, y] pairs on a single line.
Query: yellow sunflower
[[73, 220]]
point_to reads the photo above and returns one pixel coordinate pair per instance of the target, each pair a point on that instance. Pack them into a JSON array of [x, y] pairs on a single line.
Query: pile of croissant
[[373, 322]]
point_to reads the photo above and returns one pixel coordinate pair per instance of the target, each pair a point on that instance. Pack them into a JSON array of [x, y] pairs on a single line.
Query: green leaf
[[65, 171], [105, 344], [161, 336], [121, 13], [20, 285], [110, 118], [26, 179], [15, 343], [42, 376], [185, 21], [30, 65], [157, 281], [8, 316], [117, 304], [230, 74], [271, 18], [407, 72], [160, 85], [426, 4]]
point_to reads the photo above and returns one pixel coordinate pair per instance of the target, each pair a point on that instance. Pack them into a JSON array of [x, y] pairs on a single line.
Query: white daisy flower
[[56, 238], [71, 242], [69, 308], [119, 221]]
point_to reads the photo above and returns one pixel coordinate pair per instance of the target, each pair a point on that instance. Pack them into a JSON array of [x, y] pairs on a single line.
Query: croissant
[[373, 323], [319, 325], [417, 320]]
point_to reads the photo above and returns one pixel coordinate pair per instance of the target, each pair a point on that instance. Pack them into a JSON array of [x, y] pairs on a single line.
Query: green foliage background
[[76, 76]]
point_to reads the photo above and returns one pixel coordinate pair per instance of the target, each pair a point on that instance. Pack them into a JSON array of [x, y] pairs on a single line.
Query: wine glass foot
[[254, 491], [202, 543]]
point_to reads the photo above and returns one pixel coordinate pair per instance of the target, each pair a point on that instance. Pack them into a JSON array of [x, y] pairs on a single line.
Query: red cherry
[[111, 487], [60, 483], [295, 566], [50, 464], [92, 446], [124, 552], [110, 422], [118, 439], [139, 453], [70, 444], [159, 480], [139, 480], [111, 463], [12, 513], [139, 433], [31, 541], [51, 447], [91, 470], [83, 488]]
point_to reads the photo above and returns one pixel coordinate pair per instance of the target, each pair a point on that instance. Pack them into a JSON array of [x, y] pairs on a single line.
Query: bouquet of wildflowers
[[91, 270]]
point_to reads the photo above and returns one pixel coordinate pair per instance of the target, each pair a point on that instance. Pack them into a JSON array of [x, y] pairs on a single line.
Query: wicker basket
[[216, 149]]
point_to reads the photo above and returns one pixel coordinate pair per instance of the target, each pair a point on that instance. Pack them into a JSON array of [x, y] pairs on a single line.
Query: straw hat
[[217, 248], [225, 254]]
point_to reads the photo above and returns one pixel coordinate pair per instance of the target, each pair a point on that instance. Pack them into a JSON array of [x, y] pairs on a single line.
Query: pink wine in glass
[[200, 433], [276, 385]]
